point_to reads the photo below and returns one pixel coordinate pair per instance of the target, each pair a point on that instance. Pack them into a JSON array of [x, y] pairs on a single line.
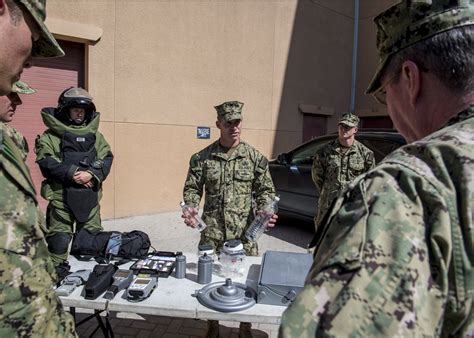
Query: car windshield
[[305, 154]]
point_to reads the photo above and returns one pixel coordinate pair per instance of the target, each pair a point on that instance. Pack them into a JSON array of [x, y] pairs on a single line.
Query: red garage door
[[49, 77]]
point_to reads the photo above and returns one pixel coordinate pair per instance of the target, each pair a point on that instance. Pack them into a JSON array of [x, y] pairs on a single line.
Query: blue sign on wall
[[203, 132]]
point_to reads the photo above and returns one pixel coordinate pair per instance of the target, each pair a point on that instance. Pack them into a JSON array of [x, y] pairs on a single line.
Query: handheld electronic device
[[122, 279], [72, 281], [141, 287]]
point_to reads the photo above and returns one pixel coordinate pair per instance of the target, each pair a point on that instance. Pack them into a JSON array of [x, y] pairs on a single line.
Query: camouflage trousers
[[61, 221]]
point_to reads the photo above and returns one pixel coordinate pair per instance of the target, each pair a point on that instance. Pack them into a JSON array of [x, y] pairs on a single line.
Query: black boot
[[212, 329], [245, 330]]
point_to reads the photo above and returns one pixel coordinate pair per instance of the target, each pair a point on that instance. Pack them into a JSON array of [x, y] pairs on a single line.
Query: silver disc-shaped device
[[227, 296]]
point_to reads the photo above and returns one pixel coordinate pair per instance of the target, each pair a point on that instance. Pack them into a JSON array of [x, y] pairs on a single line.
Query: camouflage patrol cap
[[349, 119], [230, 110], [21, 87], [411, 21], [46, 46]]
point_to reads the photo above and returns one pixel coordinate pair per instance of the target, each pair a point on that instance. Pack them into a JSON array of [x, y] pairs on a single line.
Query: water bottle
[[260, 222], [199, 223], [180, 271]]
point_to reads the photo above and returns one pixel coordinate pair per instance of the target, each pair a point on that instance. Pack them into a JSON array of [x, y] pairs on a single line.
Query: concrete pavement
[[167, 232]]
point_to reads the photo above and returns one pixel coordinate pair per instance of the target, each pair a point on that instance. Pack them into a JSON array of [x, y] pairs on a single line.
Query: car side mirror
[[283, 158]]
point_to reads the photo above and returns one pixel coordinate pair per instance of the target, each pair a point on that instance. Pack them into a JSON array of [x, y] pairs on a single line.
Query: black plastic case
[[161, 264]]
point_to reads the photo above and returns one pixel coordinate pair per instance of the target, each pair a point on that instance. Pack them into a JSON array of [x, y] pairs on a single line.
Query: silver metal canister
[[204, 269], [180, 271]]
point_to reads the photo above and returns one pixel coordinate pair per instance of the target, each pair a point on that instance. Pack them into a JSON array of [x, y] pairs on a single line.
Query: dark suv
[[291, 171]]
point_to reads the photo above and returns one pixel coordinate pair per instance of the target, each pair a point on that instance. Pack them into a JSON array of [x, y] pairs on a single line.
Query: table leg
[[101, 324], [72, 311], [106, 329]]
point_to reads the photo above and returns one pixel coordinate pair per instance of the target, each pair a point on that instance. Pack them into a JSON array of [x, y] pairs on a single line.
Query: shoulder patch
[[194, 160], [262, 165]]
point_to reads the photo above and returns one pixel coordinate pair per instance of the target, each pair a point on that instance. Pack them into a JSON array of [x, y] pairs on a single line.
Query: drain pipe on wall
[[354, 54]]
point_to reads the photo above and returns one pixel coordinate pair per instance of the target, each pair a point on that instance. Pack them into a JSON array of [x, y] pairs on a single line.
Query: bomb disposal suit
[[68, 147]]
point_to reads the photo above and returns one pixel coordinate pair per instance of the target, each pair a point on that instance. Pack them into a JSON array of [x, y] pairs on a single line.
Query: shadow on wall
[[318, 69]]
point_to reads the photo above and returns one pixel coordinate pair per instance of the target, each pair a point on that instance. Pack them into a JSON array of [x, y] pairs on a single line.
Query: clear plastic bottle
[[200, 225], [232, 258], [259, 224]]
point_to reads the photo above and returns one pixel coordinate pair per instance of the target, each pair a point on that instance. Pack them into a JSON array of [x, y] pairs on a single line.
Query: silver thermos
[[204, 269], [180, 271]]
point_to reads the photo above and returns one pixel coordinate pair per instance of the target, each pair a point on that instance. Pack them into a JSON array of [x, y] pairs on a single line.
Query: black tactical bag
[[133, 244]]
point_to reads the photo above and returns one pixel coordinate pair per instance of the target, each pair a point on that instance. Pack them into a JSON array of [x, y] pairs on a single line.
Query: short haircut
[[448, 55]]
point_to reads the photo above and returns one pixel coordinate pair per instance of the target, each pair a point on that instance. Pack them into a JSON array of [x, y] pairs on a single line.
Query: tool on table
[[282, 276], [204, 269], [161, 264], [141, 287], [207, 249], [232, 258], [226, 296], [122, 279], [180, 271], [99, 280], [72, 281]]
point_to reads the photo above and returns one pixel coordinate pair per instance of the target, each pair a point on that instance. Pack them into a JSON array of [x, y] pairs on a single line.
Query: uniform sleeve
[[50, 164], [21, 141], [263, 183], [194, 184], [100, 169], [371, 274], [369, 160], [318, 169]]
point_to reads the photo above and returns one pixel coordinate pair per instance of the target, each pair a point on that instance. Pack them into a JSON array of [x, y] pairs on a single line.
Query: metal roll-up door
[[49, 77]]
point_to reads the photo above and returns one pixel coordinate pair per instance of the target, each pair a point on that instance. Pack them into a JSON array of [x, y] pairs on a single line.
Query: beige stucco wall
[[367, 56], [160, 67]]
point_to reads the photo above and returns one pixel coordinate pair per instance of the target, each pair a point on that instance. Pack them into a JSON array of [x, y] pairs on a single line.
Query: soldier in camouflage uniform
[[228, 171], [395, 258], [339, 162], [28, 305], [23, 35], [8, 106]]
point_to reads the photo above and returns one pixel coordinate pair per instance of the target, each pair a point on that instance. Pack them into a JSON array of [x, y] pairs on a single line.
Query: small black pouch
[[99, 280]]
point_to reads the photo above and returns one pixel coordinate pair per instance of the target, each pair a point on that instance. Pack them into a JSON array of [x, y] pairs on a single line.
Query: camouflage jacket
[[396, 252], [28, 304], [228, 183], [18, 138], [333, 169]]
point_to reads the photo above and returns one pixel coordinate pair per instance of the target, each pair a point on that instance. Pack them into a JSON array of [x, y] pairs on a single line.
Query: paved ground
[[167, 232]]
